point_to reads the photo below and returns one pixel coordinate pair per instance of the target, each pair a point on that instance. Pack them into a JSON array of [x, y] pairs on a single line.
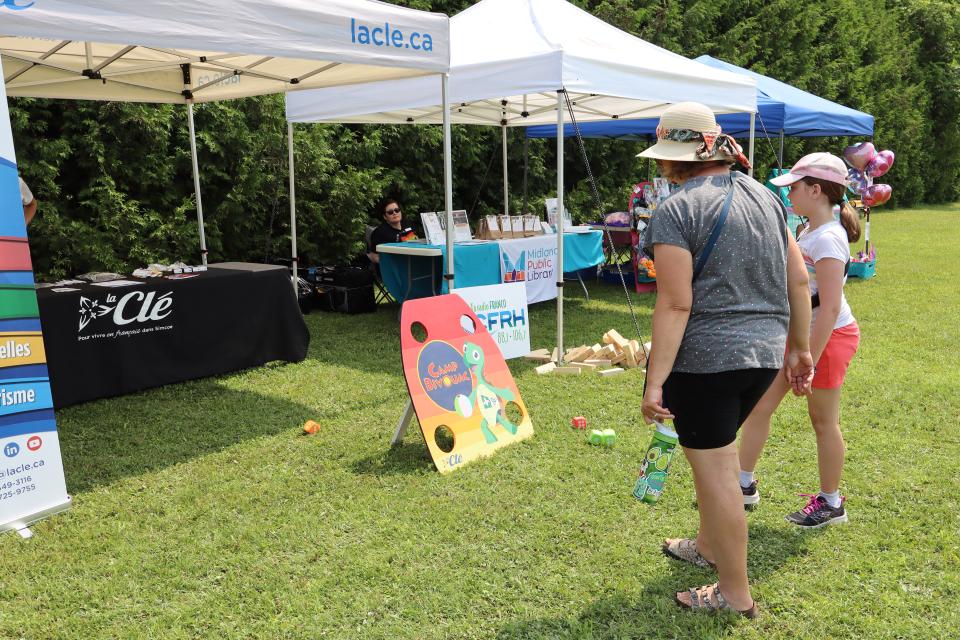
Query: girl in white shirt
[[817, 182]]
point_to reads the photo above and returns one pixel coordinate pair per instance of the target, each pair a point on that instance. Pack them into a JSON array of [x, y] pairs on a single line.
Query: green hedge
[[116, 192]]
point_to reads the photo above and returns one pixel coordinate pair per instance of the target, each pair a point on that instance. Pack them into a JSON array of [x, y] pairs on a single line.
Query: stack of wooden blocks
[[615, 356]]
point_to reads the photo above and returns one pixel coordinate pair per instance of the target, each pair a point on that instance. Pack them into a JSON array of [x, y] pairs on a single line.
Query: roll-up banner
[[32, 485], [503, 309]]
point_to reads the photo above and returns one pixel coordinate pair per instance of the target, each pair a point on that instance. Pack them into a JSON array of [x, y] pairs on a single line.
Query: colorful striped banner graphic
[[28, 427], [15, 255]]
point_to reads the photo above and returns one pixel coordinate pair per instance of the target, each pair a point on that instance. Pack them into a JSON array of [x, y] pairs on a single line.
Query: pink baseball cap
[[822, 165]]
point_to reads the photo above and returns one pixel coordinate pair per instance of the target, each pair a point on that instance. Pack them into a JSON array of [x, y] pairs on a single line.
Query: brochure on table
[[552, 214], [32, 485], [435, 226]]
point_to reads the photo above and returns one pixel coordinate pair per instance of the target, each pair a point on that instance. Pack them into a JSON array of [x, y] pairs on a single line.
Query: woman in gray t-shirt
[[730, 283]]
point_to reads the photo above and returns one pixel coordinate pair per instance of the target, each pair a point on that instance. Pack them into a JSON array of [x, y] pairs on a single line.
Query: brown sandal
[[685, 549], [709, 598]]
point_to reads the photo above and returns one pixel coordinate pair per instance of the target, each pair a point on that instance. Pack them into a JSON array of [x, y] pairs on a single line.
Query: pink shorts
[[832, 366]]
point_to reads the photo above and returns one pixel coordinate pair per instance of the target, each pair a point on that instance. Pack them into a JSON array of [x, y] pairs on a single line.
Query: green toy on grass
[[485, 396], [605, 437]]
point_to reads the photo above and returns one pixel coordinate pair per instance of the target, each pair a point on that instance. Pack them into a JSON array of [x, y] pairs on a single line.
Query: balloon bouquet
[[865, 165]]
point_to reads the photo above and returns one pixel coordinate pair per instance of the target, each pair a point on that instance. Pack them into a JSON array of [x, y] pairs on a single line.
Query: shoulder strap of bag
[[815, 298], [717, 228]]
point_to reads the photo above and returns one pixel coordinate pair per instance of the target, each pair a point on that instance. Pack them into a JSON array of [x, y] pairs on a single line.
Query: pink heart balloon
[[877, 195], [859, 155], [880, 164]]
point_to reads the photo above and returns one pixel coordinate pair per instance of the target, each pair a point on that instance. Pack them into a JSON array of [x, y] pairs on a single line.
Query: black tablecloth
[[107, 341]]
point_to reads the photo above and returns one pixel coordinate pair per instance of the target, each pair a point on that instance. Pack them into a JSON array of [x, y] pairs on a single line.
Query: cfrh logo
[[135, 306], [510, 271], [34, 443], [16, 5]]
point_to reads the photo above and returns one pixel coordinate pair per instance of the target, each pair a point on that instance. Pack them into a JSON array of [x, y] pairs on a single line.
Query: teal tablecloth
[[474, 265]]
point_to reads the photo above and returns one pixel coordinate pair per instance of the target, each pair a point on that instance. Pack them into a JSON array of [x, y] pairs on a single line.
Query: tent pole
[[506, 184], [447, 178], [294, 259], [753, 119], [560, 219], [780, 157], [196, 182], [506, 191]]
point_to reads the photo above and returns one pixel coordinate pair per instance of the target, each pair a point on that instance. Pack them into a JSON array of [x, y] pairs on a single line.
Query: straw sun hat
[[688, 132]]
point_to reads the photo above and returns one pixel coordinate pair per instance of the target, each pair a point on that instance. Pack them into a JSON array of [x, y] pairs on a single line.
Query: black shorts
[[710, 407]]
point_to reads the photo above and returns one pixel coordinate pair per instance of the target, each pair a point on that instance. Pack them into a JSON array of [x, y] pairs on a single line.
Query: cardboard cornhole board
[[462, 391]]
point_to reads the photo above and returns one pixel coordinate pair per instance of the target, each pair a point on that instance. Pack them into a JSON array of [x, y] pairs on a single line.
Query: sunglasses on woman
[[392, 211]]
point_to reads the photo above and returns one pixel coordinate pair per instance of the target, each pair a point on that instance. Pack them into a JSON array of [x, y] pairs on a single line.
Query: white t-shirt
[[25, 194], [826, 241]]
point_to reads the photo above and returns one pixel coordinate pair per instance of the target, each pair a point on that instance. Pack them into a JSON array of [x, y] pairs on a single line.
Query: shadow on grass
[[652, 615], [404, 458], [107, 440], [655, 614]]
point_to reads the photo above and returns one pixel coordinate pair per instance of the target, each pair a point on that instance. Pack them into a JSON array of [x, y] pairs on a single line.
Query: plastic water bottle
[[656, 464]]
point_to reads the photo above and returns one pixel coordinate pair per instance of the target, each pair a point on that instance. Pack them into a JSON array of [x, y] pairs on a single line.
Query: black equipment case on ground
[[344, 289]]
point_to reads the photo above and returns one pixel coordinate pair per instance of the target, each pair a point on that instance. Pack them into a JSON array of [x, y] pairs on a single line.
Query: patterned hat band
[[711, 143]]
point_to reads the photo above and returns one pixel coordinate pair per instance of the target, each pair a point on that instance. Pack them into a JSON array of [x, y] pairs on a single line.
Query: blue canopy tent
[[783, 110]]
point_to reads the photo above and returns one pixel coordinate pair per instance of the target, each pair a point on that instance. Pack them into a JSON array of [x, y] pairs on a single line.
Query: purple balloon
[[880, 164], [859, 155], [858, 182], [877, 195]]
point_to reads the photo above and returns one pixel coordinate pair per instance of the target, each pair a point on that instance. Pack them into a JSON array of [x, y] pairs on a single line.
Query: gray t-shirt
[[740, 311]]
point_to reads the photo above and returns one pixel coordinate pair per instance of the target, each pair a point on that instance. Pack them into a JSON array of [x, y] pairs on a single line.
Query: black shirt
[[385, 233]]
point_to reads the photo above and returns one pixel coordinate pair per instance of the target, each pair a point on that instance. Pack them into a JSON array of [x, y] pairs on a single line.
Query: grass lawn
[[201, 512]]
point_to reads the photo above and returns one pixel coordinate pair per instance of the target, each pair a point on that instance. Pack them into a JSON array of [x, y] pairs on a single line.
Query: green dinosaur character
[[486, 396]]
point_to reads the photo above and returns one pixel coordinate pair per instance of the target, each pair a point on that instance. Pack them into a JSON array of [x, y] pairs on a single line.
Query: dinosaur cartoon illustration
[[485, 396]]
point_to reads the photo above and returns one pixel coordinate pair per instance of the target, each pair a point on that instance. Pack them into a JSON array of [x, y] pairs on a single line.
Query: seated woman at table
[[393, 229]]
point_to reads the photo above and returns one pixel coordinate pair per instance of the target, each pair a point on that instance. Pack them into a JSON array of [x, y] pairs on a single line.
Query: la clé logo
[[151, 308]]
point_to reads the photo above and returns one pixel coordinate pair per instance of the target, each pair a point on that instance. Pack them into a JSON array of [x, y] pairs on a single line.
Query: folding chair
[[380, 292]]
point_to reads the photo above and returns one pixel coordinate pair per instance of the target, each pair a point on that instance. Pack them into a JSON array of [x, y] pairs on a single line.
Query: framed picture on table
[[461, 226], [433, 228]]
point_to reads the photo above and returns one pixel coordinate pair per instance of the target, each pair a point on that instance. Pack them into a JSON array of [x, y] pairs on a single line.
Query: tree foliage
[[115, 184]]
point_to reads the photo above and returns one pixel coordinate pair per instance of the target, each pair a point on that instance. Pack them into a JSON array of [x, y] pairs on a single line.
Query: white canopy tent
[[513, 62], [169, 51]]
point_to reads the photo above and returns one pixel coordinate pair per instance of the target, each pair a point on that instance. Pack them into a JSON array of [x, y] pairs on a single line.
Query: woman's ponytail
[[850, 221]]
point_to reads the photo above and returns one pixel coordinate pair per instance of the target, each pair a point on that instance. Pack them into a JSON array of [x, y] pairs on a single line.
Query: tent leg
[[294, 259], [506, 184], [447, 179], [780, 157], [753, 118], [196, 182], [560, 220]]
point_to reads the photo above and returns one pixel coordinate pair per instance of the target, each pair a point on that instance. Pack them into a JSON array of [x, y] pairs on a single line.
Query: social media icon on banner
[[11, 449], [34, 443]]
